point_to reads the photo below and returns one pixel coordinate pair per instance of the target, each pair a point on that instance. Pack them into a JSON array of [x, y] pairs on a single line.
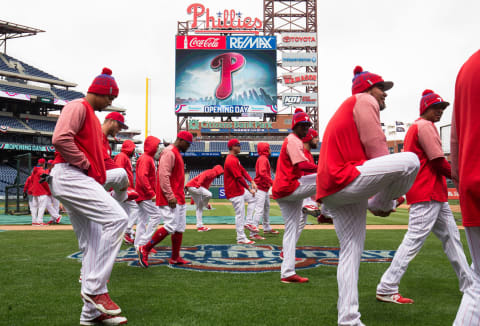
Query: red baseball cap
[[50, 161], [41, 161], [117, 116], [233, 142], [186, 136]]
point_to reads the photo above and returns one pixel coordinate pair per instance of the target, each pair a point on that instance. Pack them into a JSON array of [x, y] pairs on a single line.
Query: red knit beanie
[[363, 80], [429, 98], [312, 133], [104, 84], [300, 117]]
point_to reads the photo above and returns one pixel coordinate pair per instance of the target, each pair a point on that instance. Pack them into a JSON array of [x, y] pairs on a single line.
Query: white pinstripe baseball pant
[[238, 203], [32, 203], [385, 178], [88, 205], [149, 217], [53, 207], [39, 207], [175, 218], [201, 197], [262, 210], [291, 208], [427, 217], [118, 180], [132, 210], [469, 311]]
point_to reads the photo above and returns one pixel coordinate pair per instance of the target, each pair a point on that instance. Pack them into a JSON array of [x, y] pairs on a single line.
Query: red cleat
[[256, 237], [251, 228], [128, 239], [103, 303], [394, 298], [294, 279], [142, 256], [179, 261], [132, 194], [50, 222], [209, 206], [272, 231], [203, 229], [58, 220], [323, 219], [105, 319], [246, 241]]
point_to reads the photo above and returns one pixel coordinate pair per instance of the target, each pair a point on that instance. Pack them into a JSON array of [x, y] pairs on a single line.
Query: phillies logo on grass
[[244, 258]]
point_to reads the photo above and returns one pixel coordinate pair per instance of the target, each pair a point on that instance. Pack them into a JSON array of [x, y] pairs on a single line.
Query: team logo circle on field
[[244, 258]]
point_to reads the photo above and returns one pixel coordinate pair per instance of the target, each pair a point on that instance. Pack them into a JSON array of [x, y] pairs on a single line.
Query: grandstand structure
[[30, 103], [212, 131]]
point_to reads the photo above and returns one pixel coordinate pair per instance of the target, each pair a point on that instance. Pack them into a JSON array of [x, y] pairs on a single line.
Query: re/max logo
[[251, 42]]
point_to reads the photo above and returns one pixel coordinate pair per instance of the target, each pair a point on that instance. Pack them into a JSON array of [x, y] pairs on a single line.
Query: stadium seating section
[[11, 123], [67, 94], [42, 125], [198, 146], [20, 67], [25, 90], [8, 175], [24, 68]]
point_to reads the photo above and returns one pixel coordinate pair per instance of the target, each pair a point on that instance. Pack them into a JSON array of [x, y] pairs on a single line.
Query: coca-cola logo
[[211, 42]]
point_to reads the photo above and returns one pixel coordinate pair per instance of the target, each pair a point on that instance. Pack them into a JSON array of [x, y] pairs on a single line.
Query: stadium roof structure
[[11, 30]]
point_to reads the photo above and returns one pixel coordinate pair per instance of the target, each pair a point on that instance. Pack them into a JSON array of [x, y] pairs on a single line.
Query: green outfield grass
[[39, 286], [223, 208]]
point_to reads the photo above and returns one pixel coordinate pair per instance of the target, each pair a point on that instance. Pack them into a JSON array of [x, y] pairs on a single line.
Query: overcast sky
[[417, 44]]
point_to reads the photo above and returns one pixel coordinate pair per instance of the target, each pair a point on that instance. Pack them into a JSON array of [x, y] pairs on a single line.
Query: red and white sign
[[298, 39], [201, 42], [299, 79], [228, 19]]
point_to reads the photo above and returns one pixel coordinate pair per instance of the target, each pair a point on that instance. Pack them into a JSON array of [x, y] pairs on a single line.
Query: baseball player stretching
[[355, 165], [263, 180], [465, 155], [145, 186], [170, 184], [117, 178], [79, 161], [130, 206], [234, 183], [429, 210], [290, 188], [198, 189], [40, 194]]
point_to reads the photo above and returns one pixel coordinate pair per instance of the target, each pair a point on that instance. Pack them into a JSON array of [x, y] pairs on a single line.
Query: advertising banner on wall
[[307, 99], [216, 75], [299, 59], [299, 79], [298, 39]]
